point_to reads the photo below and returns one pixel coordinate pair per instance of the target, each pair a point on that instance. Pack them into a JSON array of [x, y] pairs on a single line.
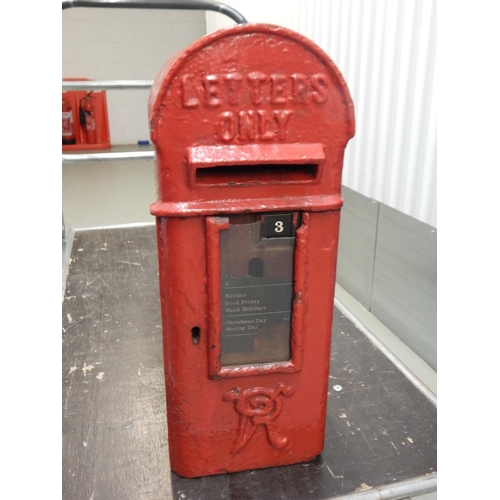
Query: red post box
[[249, 124]]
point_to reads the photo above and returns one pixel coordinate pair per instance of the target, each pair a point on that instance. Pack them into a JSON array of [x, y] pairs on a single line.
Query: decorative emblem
[[258, 406]]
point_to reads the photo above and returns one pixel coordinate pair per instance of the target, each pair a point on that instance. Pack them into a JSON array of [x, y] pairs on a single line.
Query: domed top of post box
[[252, 117]]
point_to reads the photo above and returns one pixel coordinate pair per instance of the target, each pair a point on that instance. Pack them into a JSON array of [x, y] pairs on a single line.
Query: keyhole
[[195, 334], [256, 267]]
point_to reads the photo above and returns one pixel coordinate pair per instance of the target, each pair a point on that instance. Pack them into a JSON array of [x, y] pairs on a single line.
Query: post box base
[[191, 474], [301, 446]]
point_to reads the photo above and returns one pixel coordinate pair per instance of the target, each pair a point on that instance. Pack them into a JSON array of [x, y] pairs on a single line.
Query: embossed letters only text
[[235, 90]]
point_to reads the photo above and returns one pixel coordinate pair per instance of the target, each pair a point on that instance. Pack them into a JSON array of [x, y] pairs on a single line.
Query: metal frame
[[397, 491], [84, 157], [107, 85], [160, 4]]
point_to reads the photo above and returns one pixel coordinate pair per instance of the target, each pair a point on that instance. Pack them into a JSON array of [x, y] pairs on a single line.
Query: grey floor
[[96, 194]]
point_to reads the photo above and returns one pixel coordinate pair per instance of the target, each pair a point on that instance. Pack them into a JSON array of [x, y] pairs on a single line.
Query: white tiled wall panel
[[125, 44], [386, 51]]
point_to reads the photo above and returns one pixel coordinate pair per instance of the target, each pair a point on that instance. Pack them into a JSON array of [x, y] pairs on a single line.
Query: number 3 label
[[278, 225]]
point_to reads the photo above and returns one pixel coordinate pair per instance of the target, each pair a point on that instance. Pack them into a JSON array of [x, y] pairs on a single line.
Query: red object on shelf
[[95, 134], [68, 129], [88, 117]]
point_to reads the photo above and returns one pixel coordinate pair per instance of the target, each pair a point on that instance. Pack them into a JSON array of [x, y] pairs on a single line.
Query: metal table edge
[[400, 490], [388, 353]]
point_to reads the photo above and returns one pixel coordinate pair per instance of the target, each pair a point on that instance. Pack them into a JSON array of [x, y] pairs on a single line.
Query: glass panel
[[256, 290]]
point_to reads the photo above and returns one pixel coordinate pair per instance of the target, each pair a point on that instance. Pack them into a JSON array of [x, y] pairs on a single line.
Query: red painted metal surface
[[96, 105], [248, 121]]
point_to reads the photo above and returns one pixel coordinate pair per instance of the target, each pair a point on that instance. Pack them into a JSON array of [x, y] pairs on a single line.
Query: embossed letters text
[[234, 91]]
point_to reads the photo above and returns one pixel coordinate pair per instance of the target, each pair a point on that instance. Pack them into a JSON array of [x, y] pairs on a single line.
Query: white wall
[[125, 44], [386, 51]]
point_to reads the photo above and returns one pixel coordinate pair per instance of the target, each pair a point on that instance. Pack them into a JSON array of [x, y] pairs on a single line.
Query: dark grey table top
[[381, 430]]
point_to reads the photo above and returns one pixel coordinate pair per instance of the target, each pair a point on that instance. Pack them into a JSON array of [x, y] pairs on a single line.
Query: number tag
[[277, 225]]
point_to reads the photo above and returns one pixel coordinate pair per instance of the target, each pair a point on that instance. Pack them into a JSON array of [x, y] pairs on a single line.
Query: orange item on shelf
[[89, 115]]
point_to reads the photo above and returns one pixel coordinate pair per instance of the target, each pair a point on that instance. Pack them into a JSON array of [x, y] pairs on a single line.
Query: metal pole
[[160, 4], [84, 157], [106, 84], [397, 491]]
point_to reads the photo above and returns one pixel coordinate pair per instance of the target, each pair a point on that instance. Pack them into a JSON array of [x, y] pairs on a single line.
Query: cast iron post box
[[249, 125]]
